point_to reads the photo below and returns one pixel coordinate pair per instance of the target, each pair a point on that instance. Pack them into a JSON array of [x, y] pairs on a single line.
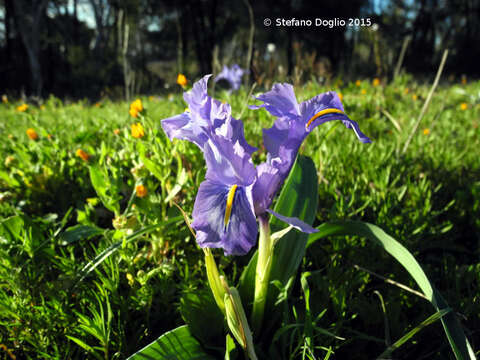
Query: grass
[[60, 213]]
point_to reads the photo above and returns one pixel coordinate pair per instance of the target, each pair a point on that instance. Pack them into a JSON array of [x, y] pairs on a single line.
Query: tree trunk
[[28, 16]]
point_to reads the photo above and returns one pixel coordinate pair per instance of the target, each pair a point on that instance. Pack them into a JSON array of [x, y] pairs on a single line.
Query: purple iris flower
[[282, 141], [233, 75], [224, 213]]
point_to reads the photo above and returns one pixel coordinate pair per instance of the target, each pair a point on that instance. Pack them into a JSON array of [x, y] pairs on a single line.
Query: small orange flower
[[376, 82], [32, 134], [97, 104], [82, 154], [141, 191], [358, 83], [426, 131], [463, 106], [181, 80], [136, 107], [22, 108], [414, 97], [116, 131], [340, 96], [137, 131], [364, 91]]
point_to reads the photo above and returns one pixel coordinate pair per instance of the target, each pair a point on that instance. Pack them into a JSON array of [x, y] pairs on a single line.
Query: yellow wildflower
[[141, 191], [414, 97], [22, 108], [463, 106], [136, 107], [364, 91], [181, 80], [9, 160], [426, 131], [358, 83], [137, 131], [32, 134], [406, 91], [49, 136], [376, 82], [82, 154], [42, 107]]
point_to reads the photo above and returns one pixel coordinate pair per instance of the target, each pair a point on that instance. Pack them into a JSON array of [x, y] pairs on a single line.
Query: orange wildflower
[[463, 106], [426, 131], [137, 131], [364, 91], [116, 131], [82, 154], [32, 134], [376, 82], [136, 107], [22, 108], [141, 191], [181, 80], [358, 83]]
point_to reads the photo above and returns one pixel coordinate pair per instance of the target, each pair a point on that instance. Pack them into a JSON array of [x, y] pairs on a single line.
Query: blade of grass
[[430, 320]]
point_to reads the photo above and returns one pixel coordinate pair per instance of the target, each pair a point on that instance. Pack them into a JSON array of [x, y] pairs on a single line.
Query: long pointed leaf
[[456, 337]]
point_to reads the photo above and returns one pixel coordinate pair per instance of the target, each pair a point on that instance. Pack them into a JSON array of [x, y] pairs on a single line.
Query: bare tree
[[28, 15]]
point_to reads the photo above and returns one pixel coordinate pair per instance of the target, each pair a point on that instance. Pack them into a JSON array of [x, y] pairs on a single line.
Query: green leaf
[[79, 232], [298, 198], [202, 315], [456, 337], [103, 187], [230, 348], [177, 344], [430, 320]]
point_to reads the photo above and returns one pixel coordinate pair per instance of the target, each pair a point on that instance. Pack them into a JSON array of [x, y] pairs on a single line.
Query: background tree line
[[47, 46]]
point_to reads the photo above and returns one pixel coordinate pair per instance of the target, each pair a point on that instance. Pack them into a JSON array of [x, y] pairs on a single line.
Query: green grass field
[[93, 265]]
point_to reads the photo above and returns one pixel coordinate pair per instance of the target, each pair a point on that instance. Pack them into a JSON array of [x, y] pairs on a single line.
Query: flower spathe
[[224, 211]]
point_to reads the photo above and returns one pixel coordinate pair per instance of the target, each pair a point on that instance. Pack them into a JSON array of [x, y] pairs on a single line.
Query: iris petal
[[240, 235], [295, 222]]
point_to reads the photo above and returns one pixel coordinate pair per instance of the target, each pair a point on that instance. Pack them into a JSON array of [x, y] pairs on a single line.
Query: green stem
[[262, 274]]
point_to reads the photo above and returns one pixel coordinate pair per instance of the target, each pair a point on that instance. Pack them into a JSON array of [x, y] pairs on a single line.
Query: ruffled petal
[[240, 235], [280, 101], [183, 127], [295, 222]]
